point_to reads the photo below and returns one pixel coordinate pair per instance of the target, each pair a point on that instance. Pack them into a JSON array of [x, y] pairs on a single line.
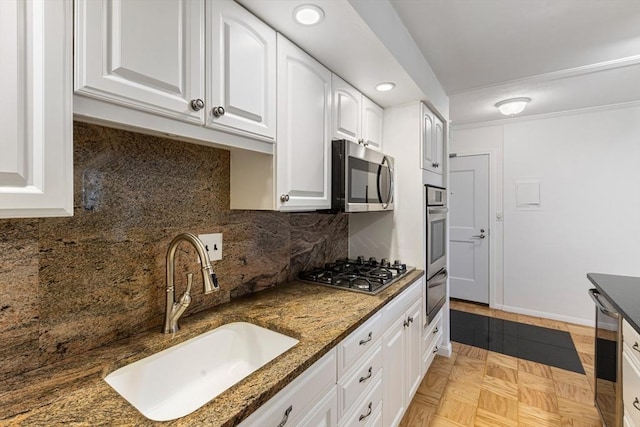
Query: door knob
[[197, 104], [217, 111], [479, 236]]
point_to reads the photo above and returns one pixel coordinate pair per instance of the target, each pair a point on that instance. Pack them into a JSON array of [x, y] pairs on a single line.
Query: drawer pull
[[369, 338], [286, 416], [363, 379], [636, 347], [435, 350], [435, 331], [636, 404], [362, 417]]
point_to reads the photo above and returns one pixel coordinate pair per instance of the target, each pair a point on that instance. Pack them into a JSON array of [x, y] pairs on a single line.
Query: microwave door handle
[[385, 204], [438, 210]]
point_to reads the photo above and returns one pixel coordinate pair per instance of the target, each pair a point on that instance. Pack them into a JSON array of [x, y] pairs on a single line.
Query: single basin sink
[[177, 381]]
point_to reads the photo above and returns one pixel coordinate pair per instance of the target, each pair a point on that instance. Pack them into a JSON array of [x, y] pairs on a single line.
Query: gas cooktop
[[357, 275]]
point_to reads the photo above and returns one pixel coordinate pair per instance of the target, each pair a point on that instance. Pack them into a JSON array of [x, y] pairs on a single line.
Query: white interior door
[[469, 227]]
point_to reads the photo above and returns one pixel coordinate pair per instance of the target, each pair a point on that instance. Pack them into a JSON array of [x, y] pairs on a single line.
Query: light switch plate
[[213, 244]]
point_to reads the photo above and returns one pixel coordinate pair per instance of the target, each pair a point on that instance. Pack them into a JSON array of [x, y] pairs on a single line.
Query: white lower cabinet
[[367, 380], [310, 398], [431, 341], [401, 353], [630, 375]]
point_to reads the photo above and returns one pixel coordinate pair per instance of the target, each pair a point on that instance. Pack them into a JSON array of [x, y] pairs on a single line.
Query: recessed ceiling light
[[308, 14], [383, 87], [513, 106]]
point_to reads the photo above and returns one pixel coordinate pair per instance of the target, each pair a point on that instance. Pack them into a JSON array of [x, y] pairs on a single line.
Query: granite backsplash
[[68, 285]]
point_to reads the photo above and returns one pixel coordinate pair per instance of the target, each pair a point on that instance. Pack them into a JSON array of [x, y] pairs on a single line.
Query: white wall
[[588, 164]]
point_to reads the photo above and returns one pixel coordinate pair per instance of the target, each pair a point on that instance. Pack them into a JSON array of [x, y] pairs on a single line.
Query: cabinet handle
[[435, 331], [197, 104], [217, 111], [435, 350], [636, 404], [405, 323], [362, 417], [410, 319], [360, 141], [363, 379], [284, 198], [636, 347], [286, 416], [369, 338]]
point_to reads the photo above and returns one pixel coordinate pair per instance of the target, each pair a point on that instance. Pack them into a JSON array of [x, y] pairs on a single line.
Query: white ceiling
[[564, 54]]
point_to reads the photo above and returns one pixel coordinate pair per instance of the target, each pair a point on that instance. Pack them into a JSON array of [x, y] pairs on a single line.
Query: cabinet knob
[[197, 104], [284, 198], [410, 319], [435, 350], [360, 141], [217, 111]]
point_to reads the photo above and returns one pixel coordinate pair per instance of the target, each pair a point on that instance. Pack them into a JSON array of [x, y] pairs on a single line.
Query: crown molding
[[557, 75], [546, 115]]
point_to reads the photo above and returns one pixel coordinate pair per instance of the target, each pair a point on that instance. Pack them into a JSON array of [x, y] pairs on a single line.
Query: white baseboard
[[445, 350], [552, 316]]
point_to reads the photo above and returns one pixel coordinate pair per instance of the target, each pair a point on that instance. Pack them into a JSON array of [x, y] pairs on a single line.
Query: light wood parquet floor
[[480, 388]]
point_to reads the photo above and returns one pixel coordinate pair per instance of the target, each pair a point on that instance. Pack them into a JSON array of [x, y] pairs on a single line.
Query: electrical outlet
[[213, 244]]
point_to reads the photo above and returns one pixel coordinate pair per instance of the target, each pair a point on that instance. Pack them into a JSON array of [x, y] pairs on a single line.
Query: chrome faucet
[[173, 309]]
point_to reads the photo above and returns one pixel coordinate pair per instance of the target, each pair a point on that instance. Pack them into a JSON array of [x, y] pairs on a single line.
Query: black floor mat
[[548, 346]]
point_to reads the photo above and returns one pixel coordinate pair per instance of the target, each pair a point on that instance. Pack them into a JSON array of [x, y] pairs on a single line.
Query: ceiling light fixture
[[308, 14], [383, 87], [513, 106]]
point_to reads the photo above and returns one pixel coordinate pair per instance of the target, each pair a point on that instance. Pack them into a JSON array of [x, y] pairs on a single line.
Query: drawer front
[[631, 387], [359, 342], [430, 352], [364, 413], [432, 330], [295, 400], [355, 385], [632, 339], [401, 303]]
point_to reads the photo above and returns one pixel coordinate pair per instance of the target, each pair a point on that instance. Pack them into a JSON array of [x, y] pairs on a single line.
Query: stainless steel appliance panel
[[436, 294], [607, 361]]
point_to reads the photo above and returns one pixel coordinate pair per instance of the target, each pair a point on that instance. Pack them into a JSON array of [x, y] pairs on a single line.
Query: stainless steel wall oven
[[436, 248]]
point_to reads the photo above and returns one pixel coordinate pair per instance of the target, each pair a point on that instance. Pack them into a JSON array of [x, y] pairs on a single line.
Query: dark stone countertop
[[73, 391], [623, 292]]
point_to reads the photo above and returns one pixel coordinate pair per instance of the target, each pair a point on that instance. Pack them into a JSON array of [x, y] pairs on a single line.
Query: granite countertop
[[73, 390], [623, 292]]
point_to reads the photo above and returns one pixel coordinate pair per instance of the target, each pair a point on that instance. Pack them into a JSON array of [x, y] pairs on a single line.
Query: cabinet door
[[241, 70], [393, 373], [428, 162], [372, 117], [303, 164], [324, 413], [36, 160], [414, 353], [347, 111], [143, 54], [438, 145]]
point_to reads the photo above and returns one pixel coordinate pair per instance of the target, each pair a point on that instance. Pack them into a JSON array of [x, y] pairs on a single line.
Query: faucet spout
[[173, 309]]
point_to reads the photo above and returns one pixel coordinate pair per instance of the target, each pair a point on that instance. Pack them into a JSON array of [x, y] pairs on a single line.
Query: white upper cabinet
[[432, 142], [355, 117], [143, 54], [347, 110], [36, 161], [304, 138], [241, 70], [372, 118]]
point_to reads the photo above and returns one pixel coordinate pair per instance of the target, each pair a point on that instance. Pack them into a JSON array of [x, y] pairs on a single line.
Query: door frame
[[496, 276]]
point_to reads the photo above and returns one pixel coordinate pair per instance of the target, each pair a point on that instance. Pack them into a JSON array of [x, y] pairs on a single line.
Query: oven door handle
[[438, 210], [594, 294], [433, 282]]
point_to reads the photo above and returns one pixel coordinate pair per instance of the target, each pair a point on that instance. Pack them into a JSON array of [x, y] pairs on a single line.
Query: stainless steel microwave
[[361, 178]]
